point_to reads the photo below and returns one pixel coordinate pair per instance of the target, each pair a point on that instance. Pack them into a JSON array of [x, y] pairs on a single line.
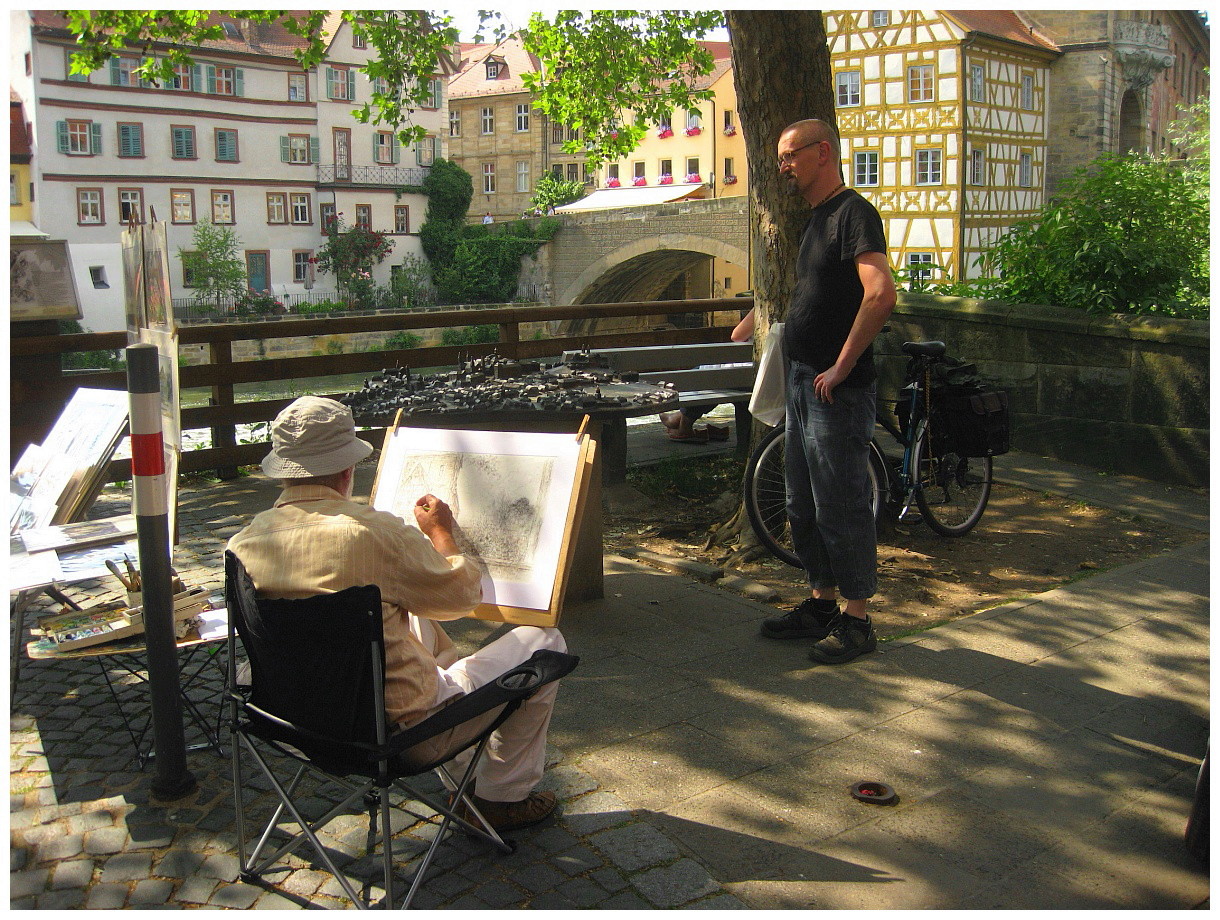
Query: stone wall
[[1120, 393]]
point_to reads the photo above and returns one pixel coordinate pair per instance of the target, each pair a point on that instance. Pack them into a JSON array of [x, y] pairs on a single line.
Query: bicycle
[[950, 491]]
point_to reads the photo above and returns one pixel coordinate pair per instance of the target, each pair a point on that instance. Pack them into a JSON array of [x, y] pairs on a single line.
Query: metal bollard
[[173, 780]]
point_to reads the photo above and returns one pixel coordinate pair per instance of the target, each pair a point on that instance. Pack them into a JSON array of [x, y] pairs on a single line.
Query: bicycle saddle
[[924, 349]]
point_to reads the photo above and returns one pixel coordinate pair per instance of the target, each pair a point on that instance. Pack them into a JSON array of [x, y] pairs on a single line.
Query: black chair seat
[[316, 698]]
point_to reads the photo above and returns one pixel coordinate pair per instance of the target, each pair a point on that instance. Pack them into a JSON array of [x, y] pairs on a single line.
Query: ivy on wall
[[477, 263]]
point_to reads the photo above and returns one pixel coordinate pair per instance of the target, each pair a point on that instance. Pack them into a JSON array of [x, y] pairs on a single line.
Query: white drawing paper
[[510, 494]]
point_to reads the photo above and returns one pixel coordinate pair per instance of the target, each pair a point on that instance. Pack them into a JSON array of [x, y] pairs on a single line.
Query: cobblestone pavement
[[86, 833], [1045, 754]]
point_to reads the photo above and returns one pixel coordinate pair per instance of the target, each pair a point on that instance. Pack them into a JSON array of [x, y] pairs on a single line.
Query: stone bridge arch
[[642, 269], [627, 254]]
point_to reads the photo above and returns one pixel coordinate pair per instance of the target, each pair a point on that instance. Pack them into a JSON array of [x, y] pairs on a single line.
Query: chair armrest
[[518, 683]]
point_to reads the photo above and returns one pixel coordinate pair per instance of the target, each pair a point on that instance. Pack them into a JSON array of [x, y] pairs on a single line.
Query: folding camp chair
[[316, 699]]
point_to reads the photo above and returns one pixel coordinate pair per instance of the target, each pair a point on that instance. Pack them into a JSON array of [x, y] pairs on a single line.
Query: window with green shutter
[[131, 140], [300, 148], [226, 145], [340, 83], [426, 151], [183, 142], [78, 138], [75, 77], [386, 149], [225, 81]]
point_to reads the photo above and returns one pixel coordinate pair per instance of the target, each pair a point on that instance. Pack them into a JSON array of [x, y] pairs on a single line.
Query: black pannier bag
[[974, 424], [967, 419]]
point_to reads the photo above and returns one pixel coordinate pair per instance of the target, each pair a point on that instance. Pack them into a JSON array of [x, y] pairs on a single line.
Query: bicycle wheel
[[766, 499], [766, 495], [953, 490]]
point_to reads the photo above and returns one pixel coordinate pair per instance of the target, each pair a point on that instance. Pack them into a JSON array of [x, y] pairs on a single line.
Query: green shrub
[[321, 306], [88, 360], [471, 335], [403, 339], [1129, 234]]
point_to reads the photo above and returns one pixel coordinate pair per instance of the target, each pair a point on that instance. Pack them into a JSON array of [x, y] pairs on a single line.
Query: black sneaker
[[849, 637], [810, 619]]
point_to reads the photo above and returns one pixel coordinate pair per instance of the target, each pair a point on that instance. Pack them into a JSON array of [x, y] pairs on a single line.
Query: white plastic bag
[[770, 386]]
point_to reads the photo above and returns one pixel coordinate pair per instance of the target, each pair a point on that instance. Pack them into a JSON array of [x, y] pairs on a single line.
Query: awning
[[632, 196], [23, 228]]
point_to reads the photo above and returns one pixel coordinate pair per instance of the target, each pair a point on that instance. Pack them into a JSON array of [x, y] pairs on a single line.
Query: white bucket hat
[[313, 436]]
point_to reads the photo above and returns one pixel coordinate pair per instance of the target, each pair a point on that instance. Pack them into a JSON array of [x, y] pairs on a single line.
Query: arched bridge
[[633, 254]]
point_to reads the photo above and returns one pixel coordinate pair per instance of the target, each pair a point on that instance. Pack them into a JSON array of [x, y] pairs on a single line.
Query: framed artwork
[[41, 284], [158, 309], [516, 499], [56, 481], [133, 280]]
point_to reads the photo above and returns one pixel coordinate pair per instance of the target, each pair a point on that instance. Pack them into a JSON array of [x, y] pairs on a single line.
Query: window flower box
[[613, 183], [666, 131], [729, 131], [666, 179], [693, 130], [693, 178], [639, 180], [730, 180]]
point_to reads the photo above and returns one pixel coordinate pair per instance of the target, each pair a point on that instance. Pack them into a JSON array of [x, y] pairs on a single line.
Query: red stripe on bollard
[[147, 455]]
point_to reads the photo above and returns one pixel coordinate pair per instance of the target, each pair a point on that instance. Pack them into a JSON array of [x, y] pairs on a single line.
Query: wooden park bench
[[704, 376]]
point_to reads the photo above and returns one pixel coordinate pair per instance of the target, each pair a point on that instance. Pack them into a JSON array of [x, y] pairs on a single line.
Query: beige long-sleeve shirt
[[314, 541]]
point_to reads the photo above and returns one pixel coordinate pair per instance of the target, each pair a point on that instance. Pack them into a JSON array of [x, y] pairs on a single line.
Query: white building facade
[[244, 138]]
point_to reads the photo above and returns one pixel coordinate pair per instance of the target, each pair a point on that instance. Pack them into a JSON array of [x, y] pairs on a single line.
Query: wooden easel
[[577, 502]]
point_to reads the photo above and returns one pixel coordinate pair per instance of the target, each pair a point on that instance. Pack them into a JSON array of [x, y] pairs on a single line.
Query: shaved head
[[813, 131]]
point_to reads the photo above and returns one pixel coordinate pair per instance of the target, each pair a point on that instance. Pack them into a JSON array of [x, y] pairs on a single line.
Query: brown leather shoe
[[512, 816]]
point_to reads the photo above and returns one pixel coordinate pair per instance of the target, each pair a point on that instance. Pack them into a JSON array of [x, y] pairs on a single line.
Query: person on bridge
[[317, 540], [843, 295]]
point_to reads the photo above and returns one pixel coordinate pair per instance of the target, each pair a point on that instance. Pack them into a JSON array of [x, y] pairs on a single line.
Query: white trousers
[[516, 752]]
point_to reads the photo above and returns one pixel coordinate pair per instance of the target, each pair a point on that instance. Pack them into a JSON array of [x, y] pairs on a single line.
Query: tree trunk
[[781, 70]]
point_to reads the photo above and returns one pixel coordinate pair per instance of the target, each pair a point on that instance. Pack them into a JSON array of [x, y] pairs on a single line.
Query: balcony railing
[[391, 176]]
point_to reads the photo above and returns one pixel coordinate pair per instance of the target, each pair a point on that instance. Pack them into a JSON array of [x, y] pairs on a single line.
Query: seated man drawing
[[317, 540]]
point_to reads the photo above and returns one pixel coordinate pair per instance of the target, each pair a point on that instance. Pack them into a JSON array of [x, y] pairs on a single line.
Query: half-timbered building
[[943, 124]]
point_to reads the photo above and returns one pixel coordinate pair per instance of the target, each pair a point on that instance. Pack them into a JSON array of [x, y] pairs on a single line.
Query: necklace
[[838, 188]]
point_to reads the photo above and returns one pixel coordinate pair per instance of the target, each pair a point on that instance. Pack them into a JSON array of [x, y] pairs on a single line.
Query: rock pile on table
[[493, 384]]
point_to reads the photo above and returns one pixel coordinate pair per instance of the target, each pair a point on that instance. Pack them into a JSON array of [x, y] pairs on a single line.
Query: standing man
[[844, 294], [317, 540]]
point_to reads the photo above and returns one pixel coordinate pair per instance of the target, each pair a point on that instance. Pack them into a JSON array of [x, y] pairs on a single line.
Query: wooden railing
[[222, 372]]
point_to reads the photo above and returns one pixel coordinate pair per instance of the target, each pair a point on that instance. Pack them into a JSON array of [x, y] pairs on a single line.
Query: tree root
[[733, 542]]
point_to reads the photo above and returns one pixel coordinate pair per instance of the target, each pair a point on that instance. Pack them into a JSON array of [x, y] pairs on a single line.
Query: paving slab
[[1044, 752]]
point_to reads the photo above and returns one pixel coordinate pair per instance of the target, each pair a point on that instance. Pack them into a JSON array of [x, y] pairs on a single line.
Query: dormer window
[[493, 70]]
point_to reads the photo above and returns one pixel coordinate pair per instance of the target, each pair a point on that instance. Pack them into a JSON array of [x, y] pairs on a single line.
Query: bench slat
[[718, 378], [714, 397], [674, 357]]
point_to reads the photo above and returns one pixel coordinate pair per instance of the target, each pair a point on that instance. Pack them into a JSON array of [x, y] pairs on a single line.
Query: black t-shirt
[[828, 291]]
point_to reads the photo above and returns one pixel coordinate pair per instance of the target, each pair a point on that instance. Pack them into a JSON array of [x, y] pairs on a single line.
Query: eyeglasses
[[791, 154]]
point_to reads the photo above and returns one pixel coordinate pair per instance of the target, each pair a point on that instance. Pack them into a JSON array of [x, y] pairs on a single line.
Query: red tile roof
[[18, 135], [1006, 24]]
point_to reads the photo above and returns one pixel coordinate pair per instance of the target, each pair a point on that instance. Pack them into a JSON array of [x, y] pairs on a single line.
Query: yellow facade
[[703, 152], [20, 205]]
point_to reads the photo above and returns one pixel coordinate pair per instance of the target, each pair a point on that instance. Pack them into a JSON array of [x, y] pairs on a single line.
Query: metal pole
[[173, 780]]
